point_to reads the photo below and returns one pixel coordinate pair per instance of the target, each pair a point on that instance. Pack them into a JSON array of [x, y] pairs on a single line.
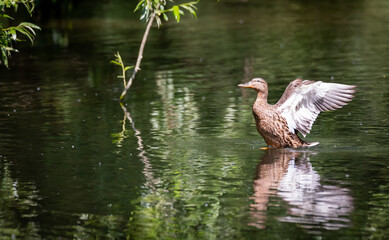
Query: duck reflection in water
[[289, 175]]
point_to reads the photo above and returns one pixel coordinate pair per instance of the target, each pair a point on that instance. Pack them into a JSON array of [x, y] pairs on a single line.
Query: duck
[[296, 110]]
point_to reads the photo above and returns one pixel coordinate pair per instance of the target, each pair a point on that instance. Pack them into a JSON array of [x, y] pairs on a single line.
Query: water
[[191, 165]]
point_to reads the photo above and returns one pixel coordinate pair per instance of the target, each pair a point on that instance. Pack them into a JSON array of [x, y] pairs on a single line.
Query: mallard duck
[[296, 110]]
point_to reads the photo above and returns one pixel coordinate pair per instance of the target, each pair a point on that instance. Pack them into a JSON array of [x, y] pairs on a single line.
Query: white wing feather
[[309, 99]]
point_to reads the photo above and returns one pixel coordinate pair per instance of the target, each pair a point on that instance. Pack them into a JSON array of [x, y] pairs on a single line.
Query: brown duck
[[296, 110]]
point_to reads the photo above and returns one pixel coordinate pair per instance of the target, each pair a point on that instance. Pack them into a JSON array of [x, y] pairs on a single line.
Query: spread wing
[[290, 89], [304, 100]]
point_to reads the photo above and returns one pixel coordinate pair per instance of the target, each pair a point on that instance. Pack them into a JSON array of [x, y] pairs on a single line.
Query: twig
[[140, 54]]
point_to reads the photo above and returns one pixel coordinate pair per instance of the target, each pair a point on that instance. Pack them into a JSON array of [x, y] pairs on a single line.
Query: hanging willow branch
[[140, 53], [151, 10]]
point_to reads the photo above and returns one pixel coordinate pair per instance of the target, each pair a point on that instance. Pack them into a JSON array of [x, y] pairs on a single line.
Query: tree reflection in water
[[289, 175]]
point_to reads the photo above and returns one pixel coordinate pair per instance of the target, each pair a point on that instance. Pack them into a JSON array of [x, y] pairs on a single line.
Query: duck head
[[258, 84]]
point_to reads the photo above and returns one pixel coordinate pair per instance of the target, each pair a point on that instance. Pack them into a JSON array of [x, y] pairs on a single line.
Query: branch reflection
[[147, 169], [289, 175]]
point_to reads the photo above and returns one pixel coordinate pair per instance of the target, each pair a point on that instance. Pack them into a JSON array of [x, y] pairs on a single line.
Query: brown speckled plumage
[[296, 110], [273, 127]]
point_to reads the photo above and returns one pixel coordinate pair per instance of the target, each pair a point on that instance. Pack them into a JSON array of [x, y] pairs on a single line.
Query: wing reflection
[[289, 175]]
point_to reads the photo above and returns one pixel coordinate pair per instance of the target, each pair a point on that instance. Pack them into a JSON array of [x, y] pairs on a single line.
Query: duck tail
[[307, 144]]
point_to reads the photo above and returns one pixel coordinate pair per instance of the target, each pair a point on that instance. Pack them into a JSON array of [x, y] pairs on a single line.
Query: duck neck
[[261, 97]]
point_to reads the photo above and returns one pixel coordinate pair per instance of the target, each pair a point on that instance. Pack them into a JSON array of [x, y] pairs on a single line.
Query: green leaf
[[139, 4], [194, 14], [159, 22], [128, 68], [4, 57], [176, 12], [26, 33], [191, 9], [145, 14], [6, 16], [13, 34], [165, 17], [30, 26], [11, 49], [115, 62]]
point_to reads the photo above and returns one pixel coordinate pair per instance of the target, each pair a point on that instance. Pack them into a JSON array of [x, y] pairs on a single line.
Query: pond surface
[[191, 165]]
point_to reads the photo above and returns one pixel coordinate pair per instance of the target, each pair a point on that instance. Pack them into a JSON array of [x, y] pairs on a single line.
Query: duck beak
[[246, 85]]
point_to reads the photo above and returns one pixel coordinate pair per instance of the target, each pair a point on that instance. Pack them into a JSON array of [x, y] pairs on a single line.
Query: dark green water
[[193, 169]]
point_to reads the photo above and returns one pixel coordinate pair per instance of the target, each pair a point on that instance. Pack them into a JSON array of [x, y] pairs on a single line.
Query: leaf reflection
[[289, 175]]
